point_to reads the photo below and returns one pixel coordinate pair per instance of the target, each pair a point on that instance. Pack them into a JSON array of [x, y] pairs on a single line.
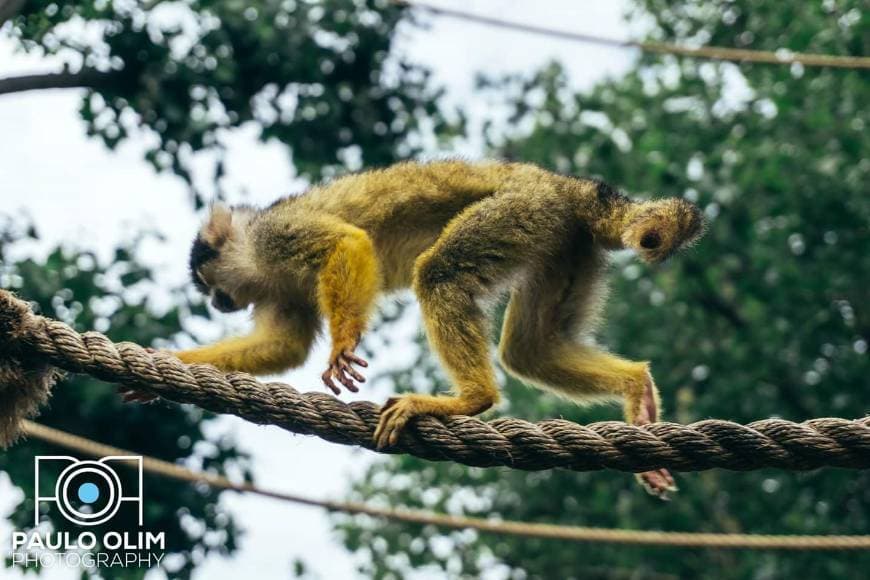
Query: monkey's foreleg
[[256, 354], [347, 288], [280, 340]]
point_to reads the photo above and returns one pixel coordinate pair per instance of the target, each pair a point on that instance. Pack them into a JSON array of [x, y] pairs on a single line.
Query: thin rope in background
[[738, 55], [504, 527]]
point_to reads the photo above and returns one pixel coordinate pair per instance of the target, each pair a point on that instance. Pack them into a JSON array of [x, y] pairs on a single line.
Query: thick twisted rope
[[503, 527], [28, 342]]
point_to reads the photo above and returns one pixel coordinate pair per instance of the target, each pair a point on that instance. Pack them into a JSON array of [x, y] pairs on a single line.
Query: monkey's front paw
[[658, 483], [395, 414], [131, 395], [340, 368]]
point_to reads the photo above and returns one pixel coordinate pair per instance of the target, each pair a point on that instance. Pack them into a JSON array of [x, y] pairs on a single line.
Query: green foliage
[[73, 286], [767, 316], [319, 77]]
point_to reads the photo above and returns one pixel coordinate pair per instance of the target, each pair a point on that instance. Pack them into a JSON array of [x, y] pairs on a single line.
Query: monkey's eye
[[200, 282]]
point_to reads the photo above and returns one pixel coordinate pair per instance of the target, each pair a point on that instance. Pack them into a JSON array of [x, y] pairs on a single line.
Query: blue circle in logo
[[89, 493]]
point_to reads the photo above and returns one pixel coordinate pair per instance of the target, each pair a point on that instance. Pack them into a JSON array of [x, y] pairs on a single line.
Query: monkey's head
[[213, 259], [660, 228]]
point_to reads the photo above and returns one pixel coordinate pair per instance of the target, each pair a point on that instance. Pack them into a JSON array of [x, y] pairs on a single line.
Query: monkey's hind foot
[[397, 411], [395, 414], [658, 482]]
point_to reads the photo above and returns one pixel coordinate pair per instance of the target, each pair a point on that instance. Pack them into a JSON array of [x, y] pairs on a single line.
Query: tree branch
[[710, 298], [63, 80], [9, 8]]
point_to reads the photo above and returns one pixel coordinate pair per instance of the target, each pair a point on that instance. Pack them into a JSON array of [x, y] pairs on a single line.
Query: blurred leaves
[[320, 77]]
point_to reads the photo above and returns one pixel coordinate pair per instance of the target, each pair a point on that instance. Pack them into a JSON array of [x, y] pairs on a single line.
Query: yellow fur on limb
[[347, 287], [273, 346]]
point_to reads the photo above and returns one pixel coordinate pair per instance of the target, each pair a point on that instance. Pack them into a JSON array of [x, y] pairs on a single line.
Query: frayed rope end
[[25, 384]]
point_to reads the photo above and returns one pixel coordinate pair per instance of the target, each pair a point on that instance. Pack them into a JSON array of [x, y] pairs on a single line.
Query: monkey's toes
[[658, 483], [350, 356], [395, 414]]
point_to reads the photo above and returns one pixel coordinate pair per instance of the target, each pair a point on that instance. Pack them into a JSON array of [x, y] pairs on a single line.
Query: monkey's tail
[[657, 229]]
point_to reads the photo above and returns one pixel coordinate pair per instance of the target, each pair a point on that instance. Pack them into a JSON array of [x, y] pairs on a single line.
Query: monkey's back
[[407, 193], [405, 207]]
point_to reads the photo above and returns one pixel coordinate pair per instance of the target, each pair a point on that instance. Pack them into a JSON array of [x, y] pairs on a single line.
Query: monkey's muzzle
[[223, 302]]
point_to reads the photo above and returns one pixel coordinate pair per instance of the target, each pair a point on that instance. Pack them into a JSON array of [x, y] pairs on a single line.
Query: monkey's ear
[[219, 226]]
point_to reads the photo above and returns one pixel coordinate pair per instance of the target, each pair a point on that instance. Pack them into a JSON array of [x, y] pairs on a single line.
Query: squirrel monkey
[[459, 234]]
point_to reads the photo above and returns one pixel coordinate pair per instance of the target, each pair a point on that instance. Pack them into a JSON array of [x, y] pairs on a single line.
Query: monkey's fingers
[[344, 363], [345, 378], [352, 357], [658, 483], [326, 377], [131, 396], [669, 479]]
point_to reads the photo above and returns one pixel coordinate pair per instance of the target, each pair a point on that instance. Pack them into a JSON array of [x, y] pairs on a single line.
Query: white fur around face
[[227, 230]]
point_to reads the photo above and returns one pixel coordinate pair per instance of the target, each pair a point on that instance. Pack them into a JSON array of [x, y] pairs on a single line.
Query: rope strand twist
[[28, 342]]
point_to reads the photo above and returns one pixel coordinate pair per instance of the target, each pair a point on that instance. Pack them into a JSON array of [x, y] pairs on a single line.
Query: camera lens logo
[[89, 492]]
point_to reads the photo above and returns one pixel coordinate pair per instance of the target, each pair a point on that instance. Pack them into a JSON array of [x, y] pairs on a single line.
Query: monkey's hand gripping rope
[[33, 348]]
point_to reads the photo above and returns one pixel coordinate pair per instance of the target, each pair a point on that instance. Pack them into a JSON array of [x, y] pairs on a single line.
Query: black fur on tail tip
[[606, 193], [650, 241]]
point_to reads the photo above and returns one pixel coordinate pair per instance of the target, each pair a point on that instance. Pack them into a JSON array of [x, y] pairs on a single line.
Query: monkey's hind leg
[[457, 332], [539, 344], [479, 252]]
